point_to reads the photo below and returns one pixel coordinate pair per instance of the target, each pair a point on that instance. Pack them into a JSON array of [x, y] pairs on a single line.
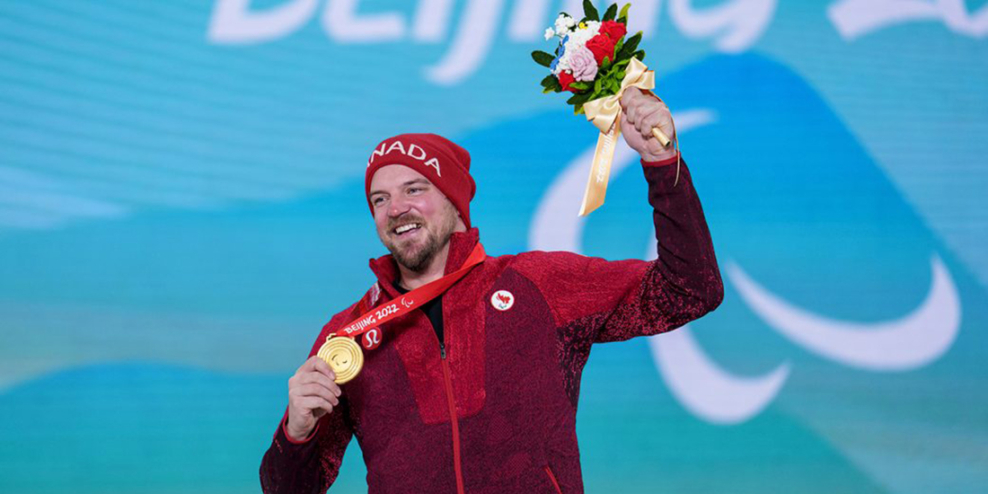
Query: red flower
[[565, 79], [613, 30], [601, 46]]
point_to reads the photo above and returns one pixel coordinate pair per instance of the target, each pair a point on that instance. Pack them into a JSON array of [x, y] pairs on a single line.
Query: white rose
[[581, 36], [549, 33]]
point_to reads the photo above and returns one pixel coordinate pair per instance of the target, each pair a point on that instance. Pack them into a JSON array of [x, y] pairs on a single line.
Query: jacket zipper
[[457, 465]]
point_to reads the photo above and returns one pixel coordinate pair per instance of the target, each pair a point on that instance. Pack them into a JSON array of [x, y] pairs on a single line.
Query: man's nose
[[397, 207]]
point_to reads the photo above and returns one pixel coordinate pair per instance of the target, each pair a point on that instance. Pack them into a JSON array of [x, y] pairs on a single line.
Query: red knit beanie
[[444, 163]]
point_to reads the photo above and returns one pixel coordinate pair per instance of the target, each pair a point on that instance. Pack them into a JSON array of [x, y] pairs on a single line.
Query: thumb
[[629, 95]]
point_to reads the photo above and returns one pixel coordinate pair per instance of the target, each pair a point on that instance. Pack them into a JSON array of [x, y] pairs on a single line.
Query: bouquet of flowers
[[592, 56], [595, 62]]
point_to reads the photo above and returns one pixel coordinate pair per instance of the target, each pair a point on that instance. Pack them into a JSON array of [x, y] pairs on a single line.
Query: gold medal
[[344, 356]]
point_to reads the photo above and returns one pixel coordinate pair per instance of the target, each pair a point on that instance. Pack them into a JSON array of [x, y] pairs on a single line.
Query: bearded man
[[476, 389]]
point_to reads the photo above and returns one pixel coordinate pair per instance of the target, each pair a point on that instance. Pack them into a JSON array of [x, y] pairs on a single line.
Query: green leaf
[[542, 58], [640, 55], [590, 11], [578, 104], [606, 64], [618, 46], [611, 12], [629, 46], [549, 81], [623, 16], [580, 86], [596, 85], [579, 98]]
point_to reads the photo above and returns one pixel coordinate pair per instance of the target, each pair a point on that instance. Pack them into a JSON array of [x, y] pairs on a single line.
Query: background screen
[[181, 209]]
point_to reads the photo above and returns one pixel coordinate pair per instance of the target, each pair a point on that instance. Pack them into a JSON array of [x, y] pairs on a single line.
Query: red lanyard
[[411, 300]]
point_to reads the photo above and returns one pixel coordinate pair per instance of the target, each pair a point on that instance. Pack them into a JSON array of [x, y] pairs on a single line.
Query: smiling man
[[414, 218], [475, 389]]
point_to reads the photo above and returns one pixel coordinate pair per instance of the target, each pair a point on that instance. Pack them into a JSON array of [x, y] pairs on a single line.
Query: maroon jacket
[[512, 377]]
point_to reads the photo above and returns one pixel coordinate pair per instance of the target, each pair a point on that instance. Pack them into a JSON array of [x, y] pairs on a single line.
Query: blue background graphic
[[181, 209]]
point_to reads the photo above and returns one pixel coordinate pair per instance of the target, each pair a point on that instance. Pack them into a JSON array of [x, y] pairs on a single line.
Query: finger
[[629, 96], [315, 389], [314, 402], [322, 380], [631, 113], [650, 94], [648, 112], [647, 122], [659, 120], [324, 368], [309, 365], [647, 105], [633, 106]]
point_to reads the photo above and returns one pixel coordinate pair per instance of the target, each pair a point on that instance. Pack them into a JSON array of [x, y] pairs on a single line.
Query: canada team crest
[[502, 300]]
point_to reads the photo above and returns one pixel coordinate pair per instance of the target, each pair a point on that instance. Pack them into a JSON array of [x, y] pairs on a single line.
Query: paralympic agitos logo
[[820, 254], [707, 389]]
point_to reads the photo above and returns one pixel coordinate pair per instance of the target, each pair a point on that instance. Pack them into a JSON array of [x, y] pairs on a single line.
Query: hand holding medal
[[596, 63], [312, 393]]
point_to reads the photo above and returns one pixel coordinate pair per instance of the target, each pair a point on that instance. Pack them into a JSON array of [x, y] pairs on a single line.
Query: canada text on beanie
[[440, 160]]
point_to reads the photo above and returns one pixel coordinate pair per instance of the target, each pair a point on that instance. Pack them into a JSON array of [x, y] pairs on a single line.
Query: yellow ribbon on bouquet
[[605, 113]]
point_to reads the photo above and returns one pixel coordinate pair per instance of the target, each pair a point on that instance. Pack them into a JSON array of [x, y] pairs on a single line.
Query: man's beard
[[417, 258]]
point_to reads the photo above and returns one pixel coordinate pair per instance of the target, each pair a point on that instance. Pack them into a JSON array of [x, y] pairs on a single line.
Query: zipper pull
[[442, 350]]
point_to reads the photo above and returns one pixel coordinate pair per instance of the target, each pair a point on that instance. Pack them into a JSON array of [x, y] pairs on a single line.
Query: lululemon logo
[[502, 300], [372, 339]]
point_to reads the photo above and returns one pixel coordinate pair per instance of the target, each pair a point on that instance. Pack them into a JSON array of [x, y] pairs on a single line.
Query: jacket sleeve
[[309, 465], [598, 300]]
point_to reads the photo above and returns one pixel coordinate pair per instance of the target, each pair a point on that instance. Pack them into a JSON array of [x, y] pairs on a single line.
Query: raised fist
[[640, 112]]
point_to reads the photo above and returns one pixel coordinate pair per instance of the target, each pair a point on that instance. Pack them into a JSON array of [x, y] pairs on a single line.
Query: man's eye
[[378, 201], [415, 190]]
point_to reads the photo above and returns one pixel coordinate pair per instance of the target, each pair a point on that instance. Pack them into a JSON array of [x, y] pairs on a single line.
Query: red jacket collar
[[460, 246]]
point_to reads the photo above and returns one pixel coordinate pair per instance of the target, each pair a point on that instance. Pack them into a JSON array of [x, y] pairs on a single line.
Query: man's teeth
[[404, 228]]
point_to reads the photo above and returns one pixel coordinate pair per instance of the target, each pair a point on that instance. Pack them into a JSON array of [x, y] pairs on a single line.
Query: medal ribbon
[[410, 301]]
